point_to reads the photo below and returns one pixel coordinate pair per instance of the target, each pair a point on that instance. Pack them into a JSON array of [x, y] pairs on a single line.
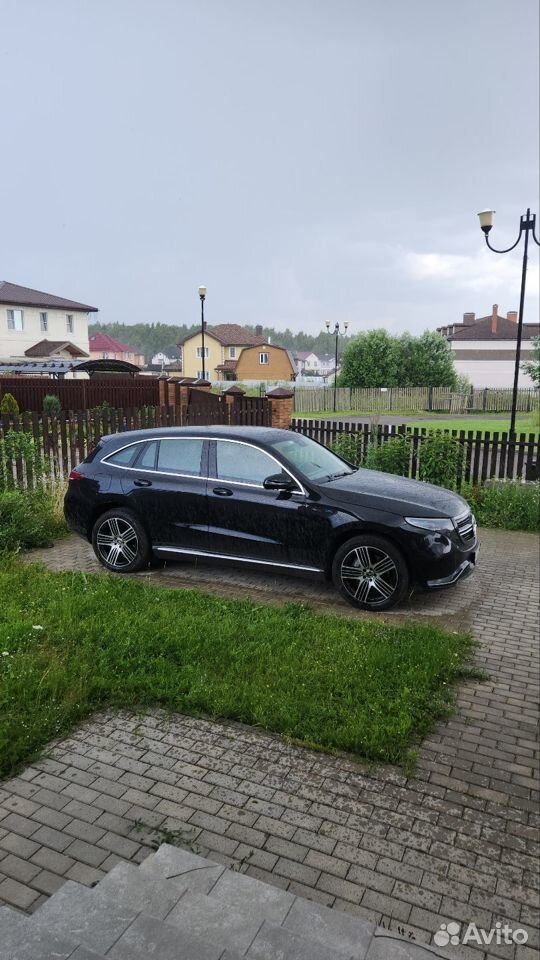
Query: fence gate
[[205, 408]]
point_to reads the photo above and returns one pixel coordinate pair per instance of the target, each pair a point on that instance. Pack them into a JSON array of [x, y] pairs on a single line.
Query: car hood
[[385, 491]]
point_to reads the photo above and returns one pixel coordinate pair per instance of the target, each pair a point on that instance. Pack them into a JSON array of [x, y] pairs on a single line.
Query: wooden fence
[[82, 394], [437, 399], [487, 455]]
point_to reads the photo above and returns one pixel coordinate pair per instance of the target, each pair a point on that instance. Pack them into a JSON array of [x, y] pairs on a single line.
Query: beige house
[[28, 317], [223, 346]]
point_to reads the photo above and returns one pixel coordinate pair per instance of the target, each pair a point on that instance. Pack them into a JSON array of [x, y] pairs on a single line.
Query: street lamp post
[[526, 225], [202, 296], [337, 331]]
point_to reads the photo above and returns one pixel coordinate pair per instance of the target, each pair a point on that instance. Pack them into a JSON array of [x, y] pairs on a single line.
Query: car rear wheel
[[120, 542], [370, 573]]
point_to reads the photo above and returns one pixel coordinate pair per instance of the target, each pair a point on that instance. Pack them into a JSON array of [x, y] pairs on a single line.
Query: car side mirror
[[279, 481]]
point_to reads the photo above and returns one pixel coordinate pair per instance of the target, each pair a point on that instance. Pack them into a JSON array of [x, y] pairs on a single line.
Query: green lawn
[[71, 643], [524, 424]]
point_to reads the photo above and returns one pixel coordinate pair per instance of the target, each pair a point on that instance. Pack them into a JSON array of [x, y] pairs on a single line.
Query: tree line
[[378, 359]]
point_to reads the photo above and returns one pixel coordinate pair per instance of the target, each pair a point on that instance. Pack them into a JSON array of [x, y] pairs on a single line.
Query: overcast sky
[[305, 159]]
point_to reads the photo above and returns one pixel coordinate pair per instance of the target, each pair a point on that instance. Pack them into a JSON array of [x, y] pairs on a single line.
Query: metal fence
[[486, 455]]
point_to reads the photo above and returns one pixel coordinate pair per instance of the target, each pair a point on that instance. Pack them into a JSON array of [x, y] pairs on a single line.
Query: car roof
[[259, 435]]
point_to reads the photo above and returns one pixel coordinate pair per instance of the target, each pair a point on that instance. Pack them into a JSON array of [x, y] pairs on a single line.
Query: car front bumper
[[465, 569]]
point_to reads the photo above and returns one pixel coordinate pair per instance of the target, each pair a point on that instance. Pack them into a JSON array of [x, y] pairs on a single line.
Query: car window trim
[[245, 483]]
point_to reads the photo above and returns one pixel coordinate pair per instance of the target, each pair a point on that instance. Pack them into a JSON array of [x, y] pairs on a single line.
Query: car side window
[[125, 457], [147, 460], [180, 456], [243, 463]]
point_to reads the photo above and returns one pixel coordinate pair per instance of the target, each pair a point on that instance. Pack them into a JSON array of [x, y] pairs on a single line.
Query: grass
[[71, 643]]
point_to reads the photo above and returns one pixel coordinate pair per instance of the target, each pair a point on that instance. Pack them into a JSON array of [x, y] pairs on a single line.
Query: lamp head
[[346, 324], [486, 220], [202, 292], [328, 326]]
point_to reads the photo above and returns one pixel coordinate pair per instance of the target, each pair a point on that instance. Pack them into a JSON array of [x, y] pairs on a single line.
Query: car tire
[[120, 541], [370, 572]]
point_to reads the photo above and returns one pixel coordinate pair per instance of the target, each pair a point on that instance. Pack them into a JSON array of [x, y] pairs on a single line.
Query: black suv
[[269, 497]]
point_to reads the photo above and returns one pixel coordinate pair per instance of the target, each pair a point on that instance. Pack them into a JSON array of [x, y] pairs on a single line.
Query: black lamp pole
[[526, 225], [337, 331], [202, 296]]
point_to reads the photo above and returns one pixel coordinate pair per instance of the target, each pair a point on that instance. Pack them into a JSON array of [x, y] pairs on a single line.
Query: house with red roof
[[484, 348], [104, 347]]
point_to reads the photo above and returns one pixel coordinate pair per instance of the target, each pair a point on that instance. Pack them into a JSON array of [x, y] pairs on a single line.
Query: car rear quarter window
[[180, 456], [147, 459], [124, 457]]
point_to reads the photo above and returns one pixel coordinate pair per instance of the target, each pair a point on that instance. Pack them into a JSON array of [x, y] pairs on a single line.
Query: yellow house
[[224, 347]]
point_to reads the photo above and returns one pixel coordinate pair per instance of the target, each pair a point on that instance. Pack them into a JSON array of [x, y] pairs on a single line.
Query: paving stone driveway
[[456, 841]]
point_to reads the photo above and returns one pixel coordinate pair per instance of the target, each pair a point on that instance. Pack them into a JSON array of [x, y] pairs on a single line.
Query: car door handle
[[223, 492], [142, 483]]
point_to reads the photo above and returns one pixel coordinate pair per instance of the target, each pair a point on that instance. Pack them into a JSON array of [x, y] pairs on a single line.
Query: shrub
[[28, 518], [8, 404], [20, 446], [51, 405], [440, 459], [348, 446], [507, 504], [391, 455]]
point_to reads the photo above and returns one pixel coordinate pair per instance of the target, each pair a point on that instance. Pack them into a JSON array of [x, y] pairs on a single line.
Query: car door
[[167, 488], [244, 519]]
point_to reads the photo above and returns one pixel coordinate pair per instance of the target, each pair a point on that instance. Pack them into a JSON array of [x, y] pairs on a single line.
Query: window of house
[[104, 356], [43, 322], [232, 353], [180, 456], [243, 463], [15, 320], [69, 323], [200, 352], [263, 358], [201, 374]]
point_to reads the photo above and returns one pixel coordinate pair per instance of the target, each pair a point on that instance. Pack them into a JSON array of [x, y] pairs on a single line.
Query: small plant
[[8, 404], [391, 456], [441, 459], [507, 504], [28, 518], [348, 446], [51, 405], [18, 449]]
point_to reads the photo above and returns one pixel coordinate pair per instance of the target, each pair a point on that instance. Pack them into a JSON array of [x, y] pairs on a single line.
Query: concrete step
[[85, 916], [128, 885], [171, 863], [21, 938], [277, 942]]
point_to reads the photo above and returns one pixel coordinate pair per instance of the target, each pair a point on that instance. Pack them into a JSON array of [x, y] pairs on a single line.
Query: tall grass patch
[[71, 643]]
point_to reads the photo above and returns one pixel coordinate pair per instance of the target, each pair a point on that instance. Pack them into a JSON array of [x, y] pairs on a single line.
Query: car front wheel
[[120, 542], [370, 573]]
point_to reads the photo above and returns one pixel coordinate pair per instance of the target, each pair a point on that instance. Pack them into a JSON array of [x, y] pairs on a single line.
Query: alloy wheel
[[369, 575], [117, 542]]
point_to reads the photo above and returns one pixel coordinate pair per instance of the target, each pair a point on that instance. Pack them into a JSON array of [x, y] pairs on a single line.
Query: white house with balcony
[[30, 317]]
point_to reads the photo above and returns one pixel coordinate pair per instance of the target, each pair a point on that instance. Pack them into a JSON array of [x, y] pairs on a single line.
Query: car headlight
[[439, 524]]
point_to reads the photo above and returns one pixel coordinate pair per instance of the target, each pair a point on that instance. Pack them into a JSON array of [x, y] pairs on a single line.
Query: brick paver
[[458, 840]]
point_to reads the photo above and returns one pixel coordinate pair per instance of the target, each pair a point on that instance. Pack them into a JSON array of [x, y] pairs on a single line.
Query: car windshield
[[315, 462]]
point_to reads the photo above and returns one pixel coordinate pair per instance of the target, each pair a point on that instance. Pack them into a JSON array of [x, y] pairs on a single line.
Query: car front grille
[[466, 527]]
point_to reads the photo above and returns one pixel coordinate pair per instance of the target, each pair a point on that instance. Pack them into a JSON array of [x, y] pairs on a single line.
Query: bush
[[440, 459], [8, 404], [348, 446], [51, 405], [391, 456], [507, 504], [28, 518], [19, 445]]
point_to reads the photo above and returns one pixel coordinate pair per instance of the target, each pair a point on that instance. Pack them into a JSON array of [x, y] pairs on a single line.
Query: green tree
[[425, 361], [532, 367], [370, 360]]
